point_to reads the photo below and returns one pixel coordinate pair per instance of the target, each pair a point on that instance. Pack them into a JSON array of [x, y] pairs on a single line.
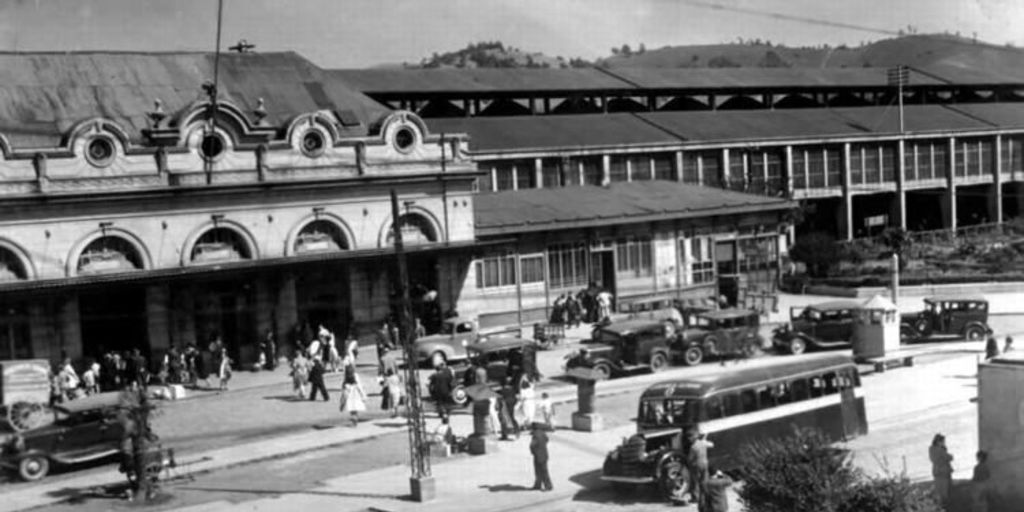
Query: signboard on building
[[876, 220], [26, 380]]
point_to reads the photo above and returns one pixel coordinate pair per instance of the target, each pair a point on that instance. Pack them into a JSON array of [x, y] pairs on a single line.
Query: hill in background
[[937, 52]]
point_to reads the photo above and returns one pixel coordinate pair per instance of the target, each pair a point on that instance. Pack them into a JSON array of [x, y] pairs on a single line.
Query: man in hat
[[697, 463], [539, 449]]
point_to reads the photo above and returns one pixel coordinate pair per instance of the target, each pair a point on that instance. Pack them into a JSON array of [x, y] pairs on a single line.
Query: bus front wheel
[[673, 478]]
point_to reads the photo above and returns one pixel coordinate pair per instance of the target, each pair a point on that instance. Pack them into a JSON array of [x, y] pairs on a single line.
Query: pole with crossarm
[[421, 482]]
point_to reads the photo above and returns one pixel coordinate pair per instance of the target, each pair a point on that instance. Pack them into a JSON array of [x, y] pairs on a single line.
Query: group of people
[[591, 305], [992, 347], [942, 473], [313, 361]]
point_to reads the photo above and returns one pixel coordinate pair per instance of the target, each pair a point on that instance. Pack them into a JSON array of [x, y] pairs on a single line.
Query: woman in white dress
[[353, 397], [332, 353], [527, 404]]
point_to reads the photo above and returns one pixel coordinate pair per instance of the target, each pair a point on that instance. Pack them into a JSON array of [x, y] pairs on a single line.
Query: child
[[353, 398], [224, 374]]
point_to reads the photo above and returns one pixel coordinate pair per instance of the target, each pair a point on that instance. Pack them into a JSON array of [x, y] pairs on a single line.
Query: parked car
[[963, 317], [720, 333], [449, 344], [826, 325], [504, 359], [665, 307], [621, 347], [82, 430]]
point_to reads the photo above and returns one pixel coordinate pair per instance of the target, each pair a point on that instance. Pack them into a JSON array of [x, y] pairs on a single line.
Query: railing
[[936, 236]]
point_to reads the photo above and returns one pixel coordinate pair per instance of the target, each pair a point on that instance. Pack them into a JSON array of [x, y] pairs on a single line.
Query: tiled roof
[[544, 209]]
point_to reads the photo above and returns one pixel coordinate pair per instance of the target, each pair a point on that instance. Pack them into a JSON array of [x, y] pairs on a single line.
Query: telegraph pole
[[421, 483], [899, 76]]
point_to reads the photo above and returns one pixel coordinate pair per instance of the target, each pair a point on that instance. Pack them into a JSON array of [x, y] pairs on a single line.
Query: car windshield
[[701, 321], [810, 314], [603, 336], [667, 412]]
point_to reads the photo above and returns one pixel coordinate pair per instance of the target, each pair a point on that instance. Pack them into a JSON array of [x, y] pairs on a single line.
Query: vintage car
[[825, 325], [504, 359], [82, 430], [622, 347], [719, 333], [449, 344], [959, 317], [662, 307]]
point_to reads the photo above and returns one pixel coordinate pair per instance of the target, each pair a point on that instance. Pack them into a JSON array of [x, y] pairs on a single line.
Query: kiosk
[[876, 335]]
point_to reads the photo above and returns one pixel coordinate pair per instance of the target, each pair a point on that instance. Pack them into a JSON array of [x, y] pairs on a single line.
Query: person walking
[[942, 469], [506, 411], [333, 356], [91, 379], [539, 450], [316, 381], [1008, 346], [979, 483], [440, 386], [270, 344], [300, 374], [224, 372], [604, 305], [991, 348], [353, 397], [716, 498], [546, 409], [697, 463], [68, 379]]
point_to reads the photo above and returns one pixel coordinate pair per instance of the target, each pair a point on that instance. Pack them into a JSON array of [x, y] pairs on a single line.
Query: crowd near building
[[137, 213]]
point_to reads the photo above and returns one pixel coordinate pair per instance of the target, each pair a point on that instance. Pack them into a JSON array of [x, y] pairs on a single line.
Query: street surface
[[905, 408]]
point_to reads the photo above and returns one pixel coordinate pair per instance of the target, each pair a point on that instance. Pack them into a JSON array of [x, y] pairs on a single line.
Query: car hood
[[433, 338], [691, 333]]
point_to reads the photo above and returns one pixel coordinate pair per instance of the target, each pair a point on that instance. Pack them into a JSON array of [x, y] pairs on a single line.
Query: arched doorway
[[114, 317], [225, 308], [322, 292], [220, 245], [422, 267], [15, 340]]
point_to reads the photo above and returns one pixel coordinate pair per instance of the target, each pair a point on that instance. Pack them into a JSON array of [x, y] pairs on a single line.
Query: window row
[[499, 271], [781, 393], [633, 256], [973, 157]]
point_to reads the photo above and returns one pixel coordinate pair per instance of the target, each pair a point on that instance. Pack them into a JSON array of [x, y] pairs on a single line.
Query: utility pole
[[421, 483], [899, 76]]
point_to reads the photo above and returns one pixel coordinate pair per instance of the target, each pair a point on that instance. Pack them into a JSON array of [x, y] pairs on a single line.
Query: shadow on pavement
[[280, 492], [285, 398], [596, 490], [505, 487]]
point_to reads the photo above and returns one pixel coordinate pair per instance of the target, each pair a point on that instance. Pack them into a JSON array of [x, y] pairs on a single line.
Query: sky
[[365, 33]]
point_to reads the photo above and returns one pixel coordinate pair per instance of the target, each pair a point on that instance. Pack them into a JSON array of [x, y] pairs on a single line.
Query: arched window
[[220, 244], [320, 235], [109, 254], [416, 229], [11, 267]]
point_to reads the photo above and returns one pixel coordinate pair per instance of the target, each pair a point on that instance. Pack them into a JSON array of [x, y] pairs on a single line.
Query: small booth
[[876, 332], [1001, 427]]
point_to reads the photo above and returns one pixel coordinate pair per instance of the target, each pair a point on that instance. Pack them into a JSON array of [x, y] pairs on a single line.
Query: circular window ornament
[[405, 139], [313, 143], [212, 146], [99, 151]]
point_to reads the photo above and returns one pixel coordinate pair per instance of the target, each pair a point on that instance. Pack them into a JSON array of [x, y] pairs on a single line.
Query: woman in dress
[[333, 357], [527, 404], [300, 374], [353, 397], [224, 373]]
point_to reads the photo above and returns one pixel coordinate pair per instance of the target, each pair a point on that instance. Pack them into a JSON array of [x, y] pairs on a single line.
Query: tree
[[898, 241], [626, 51], [818, 251]]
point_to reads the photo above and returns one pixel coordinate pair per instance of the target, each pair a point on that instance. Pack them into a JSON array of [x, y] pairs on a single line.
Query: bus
[[763, 399]]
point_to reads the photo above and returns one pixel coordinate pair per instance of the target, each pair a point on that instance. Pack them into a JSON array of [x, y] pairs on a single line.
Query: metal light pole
[[421, 483]]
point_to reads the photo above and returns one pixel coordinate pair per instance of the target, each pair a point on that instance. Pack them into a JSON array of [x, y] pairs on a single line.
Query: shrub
[[798, 473], [889, 494], [819, 251]]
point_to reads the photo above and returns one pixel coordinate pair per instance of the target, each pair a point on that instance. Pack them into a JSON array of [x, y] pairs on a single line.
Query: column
[[948, 206], [846, 204], [995, 199], [184, 315], [69, 326], [538, 172], [898, 209], [679, 166], [726, 171], [41, 330], [287, 311], [158, 325], [606, 172], [265, 314], [788, 183]]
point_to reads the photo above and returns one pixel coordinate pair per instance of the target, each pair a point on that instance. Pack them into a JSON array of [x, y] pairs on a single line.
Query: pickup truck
[[450, 343]]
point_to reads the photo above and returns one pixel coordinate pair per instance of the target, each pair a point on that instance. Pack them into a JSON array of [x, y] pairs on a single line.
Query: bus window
[[765, 396], [713, 408], [800, 389], [782, 392], [817, 387], [831, 383], [748, 399], [732, 404], [678, 412]]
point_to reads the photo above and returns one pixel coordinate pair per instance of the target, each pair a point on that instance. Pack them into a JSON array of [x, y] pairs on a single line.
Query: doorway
[[322, 298], [602, 271], [225, 310], [113, 319]]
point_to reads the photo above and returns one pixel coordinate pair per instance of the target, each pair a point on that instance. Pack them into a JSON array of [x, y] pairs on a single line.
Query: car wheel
[[673, 478], [923, 327], [33, 467], [658, 362], [693, 356], [908, 334], [797, 346], [437, 358], [459, 396], [974, 333], [602, 371]]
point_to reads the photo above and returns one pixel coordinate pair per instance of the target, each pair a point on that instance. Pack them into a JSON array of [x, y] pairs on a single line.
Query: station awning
[[229, 268]]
